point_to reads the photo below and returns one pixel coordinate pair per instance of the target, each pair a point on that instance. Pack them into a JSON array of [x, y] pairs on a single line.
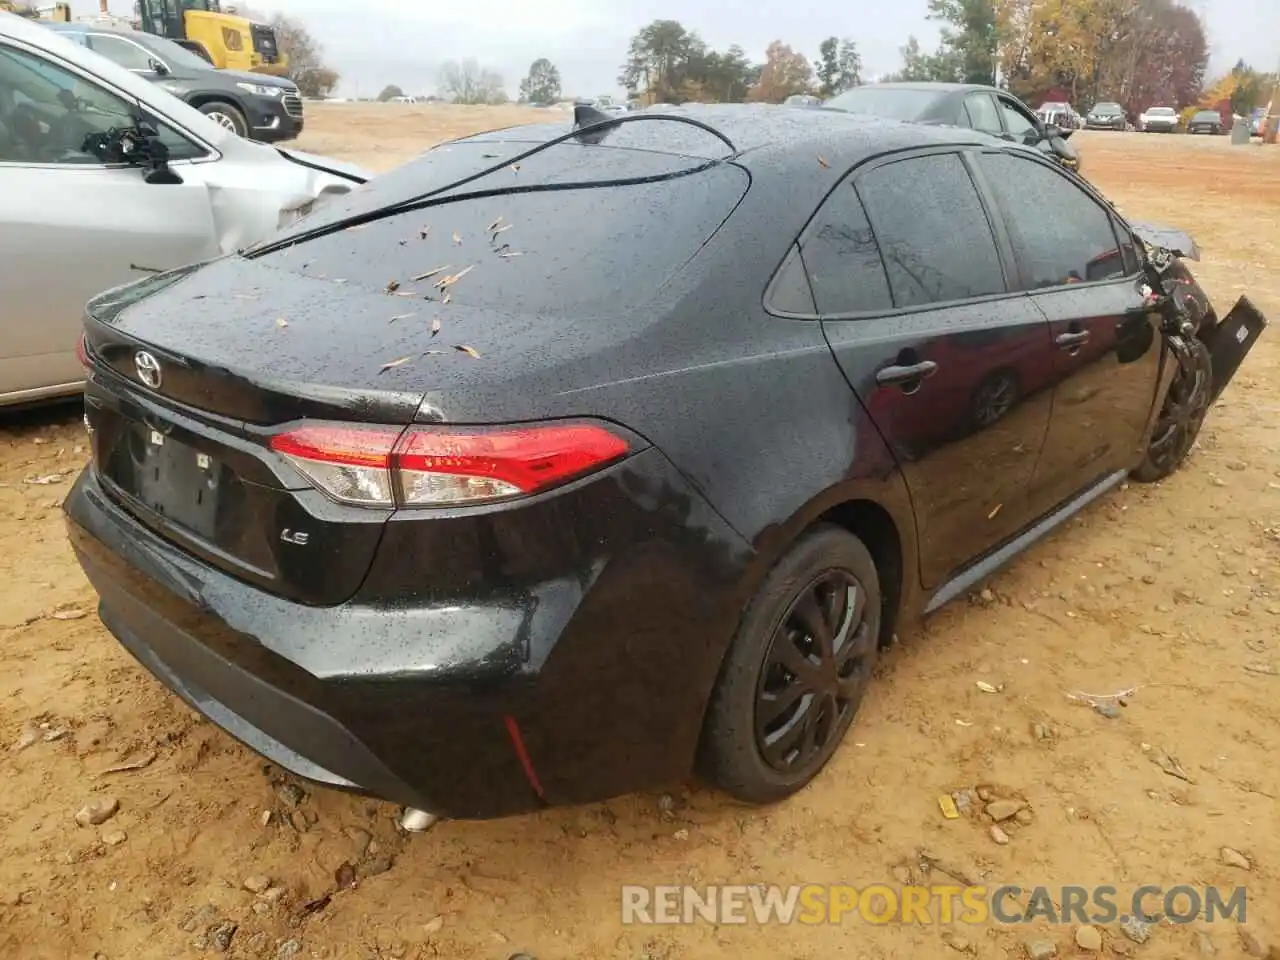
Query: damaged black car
[[569, 461]]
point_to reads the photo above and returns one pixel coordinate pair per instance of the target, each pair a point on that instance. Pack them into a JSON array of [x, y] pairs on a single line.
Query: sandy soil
[[1174, 590]]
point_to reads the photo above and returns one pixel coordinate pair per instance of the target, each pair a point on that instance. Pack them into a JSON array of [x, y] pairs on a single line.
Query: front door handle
[[1072, 340], [906, 374]]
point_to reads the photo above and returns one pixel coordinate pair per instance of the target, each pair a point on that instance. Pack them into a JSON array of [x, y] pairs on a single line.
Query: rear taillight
[[82, 351], [429, 466]]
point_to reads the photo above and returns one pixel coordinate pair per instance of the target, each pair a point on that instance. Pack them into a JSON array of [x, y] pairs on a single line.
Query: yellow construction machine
[[225, 39]]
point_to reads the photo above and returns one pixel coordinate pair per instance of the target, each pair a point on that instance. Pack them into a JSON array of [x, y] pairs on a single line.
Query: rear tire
[[226, 116], [1182, 414], [797, 669]]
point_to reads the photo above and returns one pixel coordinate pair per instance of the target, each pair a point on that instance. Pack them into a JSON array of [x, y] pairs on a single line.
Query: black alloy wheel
[[797, 669], [815, 672], [1181, 415]]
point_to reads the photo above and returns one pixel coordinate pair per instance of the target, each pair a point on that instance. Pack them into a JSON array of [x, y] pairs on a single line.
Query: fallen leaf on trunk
[[431, 273], [394, 363], [469, 351], [435, 326]]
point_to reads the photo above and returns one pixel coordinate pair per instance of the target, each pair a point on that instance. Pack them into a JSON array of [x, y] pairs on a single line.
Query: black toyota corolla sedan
[[566, 461]]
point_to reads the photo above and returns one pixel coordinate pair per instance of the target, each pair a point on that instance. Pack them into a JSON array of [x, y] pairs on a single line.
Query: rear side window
[[566, 251], [933, 234], [843, 261], [982, 113], [1075, 244]]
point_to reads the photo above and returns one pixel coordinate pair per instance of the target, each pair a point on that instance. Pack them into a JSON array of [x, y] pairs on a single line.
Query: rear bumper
[[584, 688]]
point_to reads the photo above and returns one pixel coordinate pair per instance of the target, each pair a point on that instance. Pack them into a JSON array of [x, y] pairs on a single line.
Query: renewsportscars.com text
[[936, 903]]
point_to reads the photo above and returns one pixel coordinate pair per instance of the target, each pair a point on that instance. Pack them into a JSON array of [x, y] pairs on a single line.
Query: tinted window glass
[[982, 113], [1018, 123], [933, 233], [790, 291], [62, 110], [577, 252], [1128, 248], [124, 52], [1075, 244], [844, 264]]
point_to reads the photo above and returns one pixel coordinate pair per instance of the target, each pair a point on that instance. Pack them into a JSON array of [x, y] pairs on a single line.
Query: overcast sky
[[376, 42]]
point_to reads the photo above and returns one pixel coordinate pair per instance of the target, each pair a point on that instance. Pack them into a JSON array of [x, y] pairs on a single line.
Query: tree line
[[1135, 52]]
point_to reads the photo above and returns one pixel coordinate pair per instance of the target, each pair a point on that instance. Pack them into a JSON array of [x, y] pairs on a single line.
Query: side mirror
[[158, 68], [138, 146], [1053, 131]]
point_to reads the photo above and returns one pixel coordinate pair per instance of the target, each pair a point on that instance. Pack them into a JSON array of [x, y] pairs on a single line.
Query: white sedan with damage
[[105, 178]]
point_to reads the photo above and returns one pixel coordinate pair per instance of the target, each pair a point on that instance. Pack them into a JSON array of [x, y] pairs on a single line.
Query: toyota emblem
[[148, 368]]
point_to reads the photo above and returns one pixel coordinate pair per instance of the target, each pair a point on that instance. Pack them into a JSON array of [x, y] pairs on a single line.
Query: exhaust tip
[[417, 821]]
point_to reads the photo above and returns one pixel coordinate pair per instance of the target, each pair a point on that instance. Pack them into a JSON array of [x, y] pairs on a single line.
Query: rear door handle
[[901, 374], [1074, 339]]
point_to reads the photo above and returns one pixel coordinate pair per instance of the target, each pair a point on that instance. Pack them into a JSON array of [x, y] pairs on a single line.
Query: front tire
[[1182, 414], [797, 669], [226, 116]]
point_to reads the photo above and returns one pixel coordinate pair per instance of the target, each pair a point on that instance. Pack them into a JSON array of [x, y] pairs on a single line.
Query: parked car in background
[[992, 111], [1158, 120], [802, 100], [1205, 121], [252, 105], [1106, 116], [1060, 114], [1257, 120], [611, 525], [89, 200]]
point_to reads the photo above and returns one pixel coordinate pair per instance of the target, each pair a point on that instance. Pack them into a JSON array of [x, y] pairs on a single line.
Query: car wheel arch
[[887, 534], [888, 531], [198, 100]]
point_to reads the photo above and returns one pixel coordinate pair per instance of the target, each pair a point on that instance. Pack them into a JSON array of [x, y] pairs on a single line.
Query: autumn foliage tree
[[1137, 52], [784, 73]]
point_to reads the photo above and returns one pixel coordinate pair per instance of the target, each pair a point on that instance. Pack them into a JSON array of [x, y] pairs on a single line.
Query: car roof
[[938, 85], [761, 132], [139, 36]]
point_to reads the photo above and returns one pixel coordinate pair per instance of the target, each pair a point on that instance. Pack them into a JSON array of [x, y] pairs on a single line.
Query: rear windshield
[[1160, 112], [1207, 115], [553, 251], [1106, 108], [894, 103]]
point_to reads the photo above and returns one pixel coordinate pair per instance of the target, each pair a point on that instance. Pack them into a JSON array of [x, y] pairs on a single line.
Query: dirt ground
[[1172, 590]]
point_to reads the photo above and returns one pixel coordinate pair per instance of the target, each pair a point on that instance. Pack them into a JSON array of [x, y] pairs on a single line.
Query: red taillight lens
[[433, 466], [82, 351]]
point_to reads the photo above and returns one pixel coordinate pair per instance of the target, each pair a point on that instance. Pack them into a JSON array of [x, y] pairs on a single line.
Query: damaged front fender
[[266, 198]]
